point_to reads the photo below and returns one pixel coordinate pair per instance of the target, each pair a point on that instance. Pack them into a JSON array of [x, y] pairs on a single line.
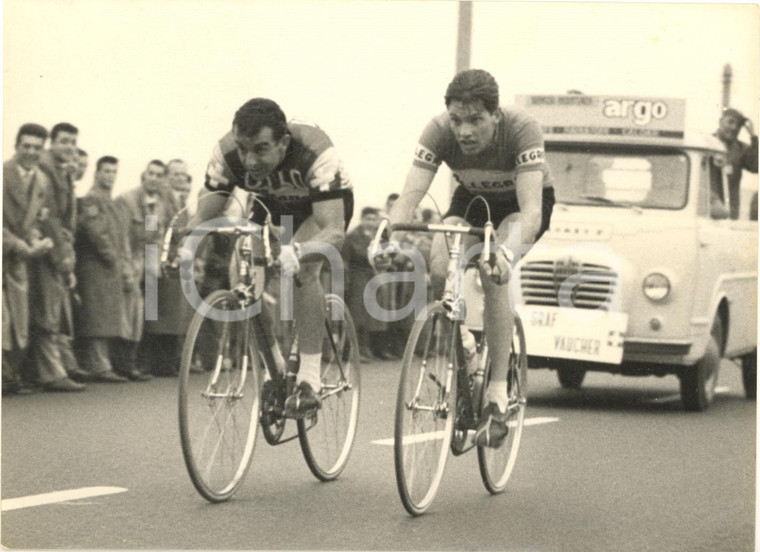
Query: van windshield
[[650, 179]]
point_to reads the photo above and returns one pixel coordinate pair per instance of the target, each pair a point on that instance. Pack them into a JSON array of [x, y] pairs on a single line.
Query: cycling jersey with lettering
[[311, 170], [518, 146]]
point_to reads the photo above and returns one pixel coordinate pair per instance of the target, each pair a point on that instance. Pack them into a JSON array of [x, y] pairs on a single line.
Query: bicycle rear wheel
[[327, 436], [496, 464], [425, 410], [218, 398]]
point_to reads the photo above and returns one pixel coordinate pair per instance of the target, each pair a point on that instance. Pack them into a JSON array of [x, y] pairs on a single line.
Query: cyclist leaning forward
[[294, 169], [496, 152]]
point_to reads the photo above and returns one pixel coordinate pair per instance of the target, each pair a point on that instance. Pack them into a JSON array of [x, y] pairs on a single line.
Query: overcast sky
[[144, 79]]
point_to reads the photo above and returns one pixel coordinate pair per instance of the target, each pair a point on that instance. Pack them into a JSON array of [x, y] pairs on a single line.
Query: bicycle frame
[[468, 397]]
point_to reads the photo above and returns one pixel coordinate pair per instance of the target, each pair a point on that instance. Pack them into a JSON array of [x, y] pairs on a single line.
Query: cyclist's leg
[[499, 313], [308, 310]]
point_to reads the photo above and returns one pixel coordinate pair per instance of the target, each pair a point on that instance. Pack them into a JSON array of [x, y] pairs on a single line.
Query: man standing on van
[[740, 155]]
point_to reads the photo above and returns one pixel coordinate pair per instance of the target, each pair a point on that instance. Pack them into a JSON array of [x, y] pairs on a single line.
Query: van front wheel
[[698, 382], [570, 378]]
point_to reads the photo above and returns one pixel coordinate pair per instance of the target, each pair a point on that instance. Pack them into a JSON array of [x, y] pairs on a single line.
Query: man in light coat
[[25, 190]]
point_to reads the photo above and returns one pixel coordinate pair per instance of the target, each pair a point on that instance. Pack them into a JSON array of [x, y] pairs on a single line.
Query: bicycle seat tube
[[453, 298]]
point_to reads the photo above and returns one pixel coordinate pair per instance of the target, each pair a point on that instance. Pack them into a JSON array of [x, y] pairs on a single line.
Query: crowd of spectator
[[381, 337], [76, 308], [74, 269]]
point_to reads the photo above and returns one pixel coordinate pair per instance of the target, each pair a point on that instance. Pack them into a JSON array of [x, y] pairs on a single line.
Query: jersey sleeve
[[429, 151], [219, 176], [327, 177], [529, 145]]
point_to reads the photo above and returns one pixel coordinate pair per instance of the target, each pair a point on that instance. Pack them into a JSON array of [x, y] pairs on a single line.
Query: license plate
[[577, 334]]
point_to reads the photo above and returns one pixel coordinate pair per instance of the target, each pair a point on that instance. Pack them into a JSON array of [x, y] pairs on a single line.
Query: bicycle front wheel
[[425, 410], [496, 464], [218, 397], [327, 436]]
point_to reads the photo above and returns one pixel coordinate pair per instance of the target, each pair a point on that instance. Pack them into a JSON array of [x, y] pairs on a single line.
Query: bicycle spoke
[[326, 445]]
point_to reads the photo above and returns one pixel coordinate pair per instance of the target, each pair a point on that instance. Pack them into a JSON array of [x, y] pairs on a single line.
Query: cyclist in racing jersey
[[498, 153], [294, 169]]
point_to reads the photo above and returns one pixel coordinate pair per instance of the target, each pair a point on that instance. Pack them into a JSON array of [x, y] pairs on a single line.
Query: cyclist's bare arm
[[529, 192], [210, 205], [418, 181], [329, 218]]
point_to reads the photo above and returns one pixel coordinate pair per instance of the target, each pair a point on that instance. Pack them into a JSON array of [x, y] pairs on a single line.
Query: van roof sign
[[632, 116]]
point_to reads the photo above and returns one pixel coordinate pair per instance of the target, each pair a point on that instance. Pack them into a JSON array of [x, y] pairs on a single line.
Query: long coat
[[104, 270], [173, 310], [21, 210], [50, 296]]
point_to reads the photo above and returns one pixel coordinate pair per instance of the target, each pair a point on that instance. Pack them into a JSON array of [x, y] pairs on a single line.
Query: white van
[[640, 273]]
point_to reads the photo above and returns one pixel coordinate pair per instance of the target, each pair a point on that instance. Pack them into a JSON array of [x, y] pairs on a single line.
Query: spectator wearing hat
[[741, 156]]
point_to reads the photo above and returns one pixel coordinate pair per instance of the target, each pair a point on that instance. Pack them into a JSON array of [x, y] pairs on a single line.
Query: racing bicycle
[[229, 383], [440, 402]]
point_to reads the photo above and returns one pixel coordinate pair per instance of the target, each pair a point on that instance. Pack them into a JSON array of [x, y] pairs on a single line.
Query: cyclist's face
[[473, 125], [260, 154]]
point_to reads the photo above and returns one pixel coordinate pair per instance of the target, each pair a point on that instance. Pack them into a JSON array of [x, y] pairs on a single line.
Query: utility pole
[[727, 74], [464, 35], [464, 43]]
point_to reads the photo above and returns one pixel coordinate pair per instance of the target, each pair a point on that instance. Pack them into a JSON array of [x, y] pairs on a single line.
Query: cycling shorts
[[300, 211], [477, 215]]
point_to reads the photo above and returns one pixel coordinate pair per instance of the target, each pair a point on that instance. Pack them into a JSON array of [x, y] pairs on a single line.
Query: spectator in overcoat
[[105, 281], [149, 211]]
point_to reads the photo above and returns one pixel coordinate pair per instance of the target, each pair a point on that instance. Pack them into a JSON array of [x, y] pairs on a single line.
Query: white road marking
[[57, 496], [439, 434]]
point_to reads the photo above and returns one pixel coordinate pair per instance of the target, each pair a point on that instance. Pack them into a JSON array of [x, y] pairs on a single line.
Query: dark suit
[[23, 206]]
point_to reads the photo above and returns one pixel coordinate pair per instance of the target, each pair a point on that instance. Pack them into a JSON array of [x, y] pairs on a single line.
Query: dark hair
[[258, 113], [392, 197], [158, 163], [80, 151], [106, 160], [369, 211], [733, 112], [174, 161], [31, 129], [63, 127], [471, 85]]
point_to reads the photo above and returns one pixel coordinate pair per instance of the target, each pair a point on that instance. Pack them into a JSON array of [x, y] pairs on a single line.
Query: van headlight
[[656, 286]]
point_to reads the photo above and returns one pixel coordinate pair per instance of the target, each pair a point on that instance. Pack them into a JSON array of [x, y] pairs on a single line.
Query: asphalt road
[[616, 466]]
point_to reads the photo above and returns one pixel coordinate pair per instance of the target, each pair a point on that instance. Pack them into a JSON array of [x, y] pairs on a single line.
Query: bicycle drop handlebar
[[486, 233]]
